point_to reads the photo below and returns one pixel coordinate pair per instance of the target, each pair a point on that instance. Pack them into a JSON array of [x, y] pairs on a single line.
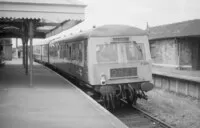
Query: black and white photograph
[[99, 64]]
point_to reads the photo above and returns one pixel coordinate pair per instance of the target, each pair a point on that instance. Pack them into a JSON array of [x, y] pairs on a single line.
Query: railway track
[[134, 117]]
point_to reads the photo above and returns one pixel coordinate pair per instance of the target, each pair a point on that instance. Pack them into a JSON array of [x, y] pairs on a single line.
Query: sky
[[138, 12], [135, 13]]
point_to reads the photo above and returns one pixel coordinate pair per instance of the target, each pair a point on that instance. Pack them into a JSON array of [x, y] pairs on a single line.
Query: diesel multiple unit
[[114, 60]]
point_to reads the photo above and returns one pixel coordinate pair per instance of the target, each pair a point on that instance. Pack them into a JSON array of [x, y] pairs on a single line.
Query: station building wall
[[7, 52], [190, 52], [164, 52], [182, 53], [6, 45]]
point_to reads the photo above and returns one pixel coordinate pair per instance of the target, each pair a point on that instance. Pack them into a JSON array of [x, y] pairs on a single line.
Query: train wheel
[[109, 102], [104, 101], [112, 101], [118, 103], [134, 97], [131, 97]]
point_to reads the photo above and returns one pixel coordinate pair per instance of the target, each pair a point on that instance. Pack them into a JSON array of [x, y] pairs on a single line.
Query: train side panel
[[37, 52], [53, 53], [44, 52], [40, 53], [71, 58]]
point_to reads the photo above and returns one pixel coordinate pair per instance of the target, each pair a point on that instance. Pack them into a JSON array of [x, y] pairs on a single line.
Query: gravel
[[177, 110]]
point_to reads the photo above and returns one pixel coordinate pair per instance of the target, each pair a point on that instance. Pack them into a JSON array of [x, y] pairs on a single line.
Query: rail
[[163, 124], [133, 117]]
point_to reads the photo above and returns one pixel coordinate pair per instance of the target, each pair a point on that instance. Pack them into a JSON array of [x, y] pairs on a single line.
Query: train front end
[[120, 68]]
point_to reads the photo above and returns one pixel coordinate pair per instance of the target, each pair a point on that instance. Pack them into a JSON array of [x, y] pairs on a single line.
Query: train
[[113, 60]]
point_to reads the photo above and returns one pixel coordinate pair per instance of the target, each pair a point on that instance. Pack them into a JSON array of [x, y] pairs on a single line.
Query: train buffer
[[51, 101]]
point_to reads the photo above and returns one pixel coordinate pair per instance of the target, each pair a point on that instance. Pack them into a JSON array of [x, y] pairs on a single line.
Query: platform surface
[[189, 75], [52, 102]]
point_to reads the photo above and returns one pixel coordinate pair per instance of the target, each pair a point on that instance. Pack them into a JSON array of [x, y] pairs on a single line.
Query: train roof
[[107, 31]]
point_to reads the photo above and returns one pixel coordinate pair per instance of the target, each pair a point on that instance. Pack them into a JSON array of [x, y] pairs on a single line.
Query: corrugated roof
[[58, 2], [181, 29], [56, 15]]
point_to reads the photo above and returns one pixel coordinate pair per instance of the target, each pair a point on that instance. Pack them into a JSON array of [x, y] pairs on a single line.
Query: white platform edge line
[[91, 100]]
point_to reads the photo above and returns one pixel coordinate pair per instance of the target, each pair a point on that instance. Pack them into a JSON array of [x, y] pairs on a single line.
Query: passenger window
[[74, 51], [70, 52], [80, 52], [67, 52]]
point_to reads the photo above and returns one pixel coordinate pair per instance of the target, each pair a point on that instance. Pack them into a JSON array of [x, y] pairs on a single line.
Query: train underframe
[[112, 96]]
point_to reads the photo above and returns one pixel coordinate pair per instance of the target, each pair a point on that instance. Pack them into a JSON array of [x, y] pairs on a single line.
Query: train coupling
[[141, 95]]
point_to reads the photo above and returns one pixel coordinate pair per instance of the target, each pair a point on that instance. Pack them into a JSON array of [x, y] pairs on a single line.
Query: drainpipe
[[179, 52]]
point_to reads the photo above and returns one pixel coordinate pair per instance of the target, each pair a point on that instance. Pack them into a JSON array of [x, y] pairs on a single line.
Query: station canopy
[[50, 16]]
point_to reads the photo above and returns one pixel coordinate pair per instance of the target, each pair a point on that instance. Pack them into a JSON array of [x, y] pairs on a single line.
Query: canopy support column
[[31, 51], [23, 53], [26, 60], [25, 46]]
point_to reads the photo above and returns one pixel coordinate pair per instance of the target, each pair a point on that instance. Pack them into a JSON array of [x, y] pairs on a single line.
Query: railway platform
[[178, 81], [189, 75], [51, 101]]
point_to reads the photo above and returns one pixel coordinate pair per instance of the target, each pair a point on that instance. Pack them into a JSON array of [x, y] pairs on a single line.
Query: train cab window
[[142, 51], [119, 52], [107, 53], [130, 52], [133, 52]]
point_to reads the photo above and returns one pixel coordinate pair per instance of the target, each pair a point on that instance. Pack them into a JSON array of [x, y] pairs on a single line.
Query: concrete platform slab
[[180, 74], [52, 102]]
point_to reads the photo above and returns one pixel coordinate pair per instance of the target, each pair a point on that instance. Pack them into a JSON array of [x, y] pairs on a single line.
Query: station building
[[176, 45]]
